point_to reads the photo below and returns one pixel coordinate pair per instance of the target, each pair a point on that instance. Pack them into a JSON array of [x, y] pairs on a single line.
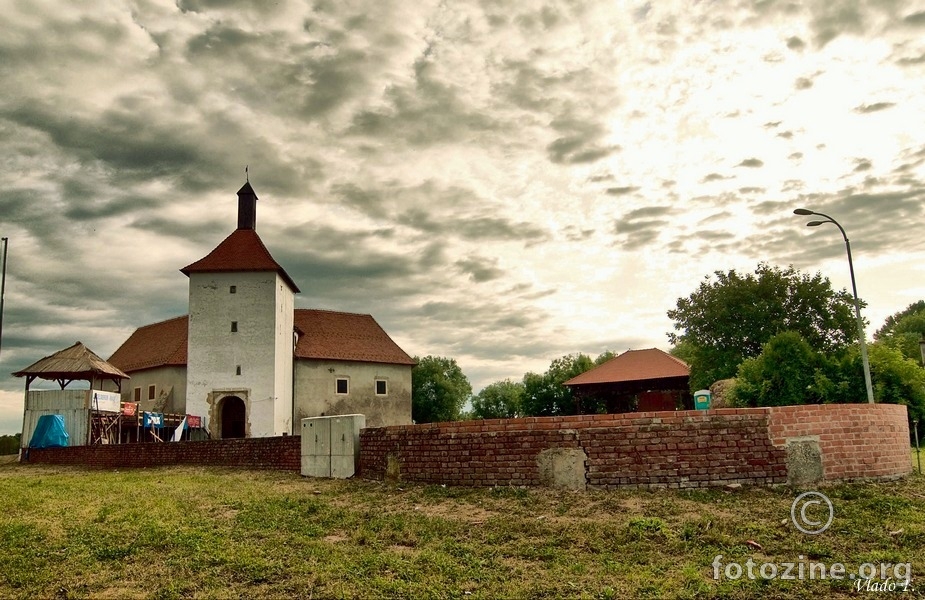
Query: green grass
[[214, 533]]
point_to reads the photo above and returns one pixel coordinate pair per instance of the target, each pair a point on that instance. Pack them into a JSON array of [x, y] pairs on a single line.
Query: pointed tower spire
[[247, 207]]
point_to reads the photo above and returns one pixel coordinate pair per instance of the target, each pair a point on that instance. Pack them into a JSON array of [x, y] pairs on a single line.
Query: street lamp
[[854, 289], [6, 247]]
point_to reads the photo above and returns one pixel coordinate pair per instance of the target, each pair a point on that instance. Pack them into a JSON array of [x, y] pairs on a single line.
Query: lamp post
[[6, 245], [854, 290]]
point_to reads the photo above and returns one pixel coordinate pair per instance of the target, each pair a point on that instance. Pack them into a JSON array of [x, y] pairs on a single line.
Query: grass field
[[183, 532]]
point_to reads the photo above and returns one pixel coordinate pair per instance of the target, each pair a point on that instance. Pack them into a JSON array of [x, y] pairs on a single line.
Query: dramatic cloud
[[502, 184]]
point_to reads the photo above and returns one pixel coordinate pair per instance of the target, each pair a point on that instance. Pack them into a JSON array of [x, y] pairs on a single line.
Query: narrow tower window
[[233, 289], [234, 327], [237, 370]]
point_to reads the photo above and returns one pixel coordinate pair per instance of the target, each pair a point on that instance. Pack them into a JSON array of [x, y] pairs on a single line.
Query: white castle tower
[[240, 345]]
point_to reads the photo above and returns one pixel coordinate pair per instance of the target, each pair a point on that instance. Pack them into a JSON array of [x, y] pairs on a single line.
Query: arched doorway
[[233, 416]]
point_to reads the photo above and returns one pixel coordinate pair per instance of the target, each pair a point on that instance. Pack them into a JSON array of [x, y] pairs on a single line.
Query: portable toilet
[[702, 399]]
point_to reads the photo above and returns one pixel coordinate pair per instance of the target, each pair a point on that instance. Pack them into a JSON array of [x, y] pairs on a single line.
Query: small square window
[[382, 387], [233, 289], [152, 392], [342, 386], [136, 395], [234, 327]]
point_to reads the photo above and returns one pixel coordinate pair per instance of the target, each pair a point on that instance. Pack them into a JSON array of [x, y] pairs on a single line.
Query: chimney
[[247, 207]]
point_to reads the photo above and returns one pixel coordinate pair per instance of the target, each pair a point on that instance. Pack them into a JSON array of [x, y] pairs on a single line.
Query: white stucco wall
[[285, 302], [262, 306], [315, 393], [162, 378]]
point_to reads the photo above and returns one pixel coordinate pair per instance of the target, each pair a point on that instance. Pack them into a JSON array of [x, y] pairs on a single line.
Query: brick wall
[[282, 453], [650, 450], [858, 441], [655, 449]]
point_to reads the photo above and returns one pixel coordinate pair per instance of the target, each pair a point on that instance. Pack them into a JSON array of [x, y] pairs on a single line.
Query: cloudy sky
[[499, 182]]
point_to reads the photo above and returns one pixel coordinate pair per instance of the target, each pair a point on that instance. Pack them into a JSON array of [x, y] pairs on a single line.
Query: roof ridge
[[335, 312], [177, 318]]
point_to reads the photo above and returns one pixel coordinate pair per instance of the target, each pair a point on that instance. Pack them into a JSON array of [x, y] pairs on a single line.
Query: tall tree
[[783, 374], [731, 316], [897, 379], [9, 444], [439, 389], [904, 330], [499, 400], [545, 396]]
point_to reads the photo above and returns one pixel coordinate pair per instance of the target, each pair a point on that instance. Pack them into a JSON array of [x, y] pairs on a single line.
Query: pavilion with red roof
[[641, 380]]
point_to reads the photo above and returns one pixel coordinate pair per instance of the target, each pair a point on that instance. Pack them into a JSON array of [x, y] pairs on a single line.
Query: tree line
[[9, 444], [779, 335]]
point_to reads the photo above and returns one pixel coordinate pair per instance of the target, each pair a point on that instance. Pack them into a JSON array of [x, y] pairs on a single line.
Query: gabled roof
[[243, 250], [325, 334], [634, 365], [74, 362], [157, 345]]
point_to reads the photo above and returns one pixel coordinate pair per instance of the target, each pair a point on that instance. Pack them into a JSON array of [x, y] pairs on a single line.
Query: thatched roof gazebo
[[77, 363]]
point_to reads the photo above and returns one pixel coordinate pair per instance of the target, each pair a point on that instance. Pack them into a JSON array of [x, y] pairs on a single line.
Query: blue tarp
[[49, 433]]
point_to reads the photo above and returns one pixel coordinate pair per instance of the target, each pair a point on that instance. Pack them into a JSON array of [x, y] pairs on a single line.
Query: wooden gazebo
[[637, 380], [76, 363]]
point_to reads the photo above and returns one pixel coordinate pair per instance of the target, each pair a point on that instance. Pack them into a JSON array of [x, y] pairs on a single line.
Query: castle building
[[251, 364]]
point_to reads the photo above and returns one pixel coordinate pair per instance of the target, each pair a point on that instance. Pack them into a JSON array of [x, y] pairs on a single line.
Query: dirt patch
[[225, 512], [402, 549], [335, 538]]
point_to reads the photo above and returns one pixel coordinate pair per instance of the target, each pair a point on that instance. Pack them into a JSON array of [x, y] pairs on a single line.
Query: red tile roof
[[156, 345], [243, 250], [634, 365], [323, 334]]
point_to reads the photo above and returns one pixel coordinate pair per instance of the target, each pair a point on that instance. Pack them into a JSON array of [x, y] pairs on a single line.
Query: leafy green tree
[[904, 330], [604, 357], [9, 444], [545, 396], [788, 372], [499, 400], [439, 390], [684, 350], [897, 379], [730, 317], [784, 373]]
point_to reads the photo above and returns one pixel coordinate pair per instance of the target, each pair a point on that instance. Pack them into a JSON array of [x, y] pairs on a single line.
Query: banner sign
[[154, 420], [129, 409], [193, 421], [105, 401]]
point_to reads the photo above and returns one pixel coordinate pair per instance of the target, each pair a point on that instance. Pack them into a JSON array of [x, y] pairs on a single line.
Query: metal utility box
[[331, 445]]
